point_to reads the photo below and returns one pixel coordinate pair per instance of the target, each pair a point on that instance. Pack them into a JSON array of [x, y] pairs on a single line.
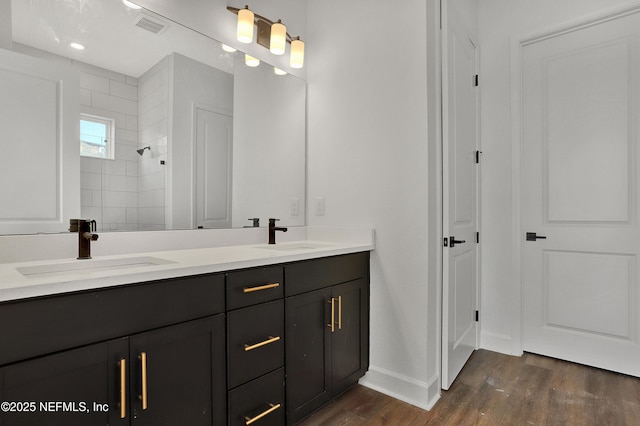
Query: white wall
[[268, 146], [368, 157], [501, 23], [6, 39]]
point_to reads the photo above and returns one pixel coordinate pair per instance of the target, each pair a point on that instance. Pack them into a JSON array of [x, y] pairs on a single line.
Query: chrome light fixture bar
[[271, 35]]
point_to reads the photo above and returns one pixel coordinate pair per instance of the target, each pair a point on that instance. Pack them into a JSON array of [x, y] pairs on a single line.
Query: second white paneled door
[[460, 197], [213, 148], [581, 117]]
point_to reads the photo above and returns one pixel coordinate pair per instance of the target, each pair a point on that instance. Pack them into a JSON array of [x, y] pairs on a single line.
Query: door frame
[[442, 134], [517, 161]]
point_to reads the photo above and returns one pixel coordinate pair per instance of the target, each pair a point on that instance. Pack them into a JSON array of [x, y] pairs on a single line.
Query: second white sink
[[89, 266], [293, 246]]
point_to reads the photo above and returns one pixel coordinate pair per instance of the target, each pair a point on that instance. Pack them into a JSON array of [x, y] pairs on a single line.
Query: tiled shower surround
[[126, 193]]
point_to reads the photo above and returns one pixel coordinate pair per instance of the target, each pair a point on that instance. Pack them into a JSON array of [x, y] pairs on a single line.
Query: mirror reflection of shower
[[141, 150]]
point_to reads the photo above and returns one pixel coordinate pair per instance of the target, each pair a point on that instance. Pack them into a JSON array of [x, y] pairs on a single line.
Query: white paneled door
[[213, 142], [460, 198], [581, 117]]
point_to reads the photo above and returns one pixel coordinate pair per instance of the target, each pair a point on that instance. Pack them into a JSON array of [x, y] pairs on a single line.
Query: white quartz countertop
[[40, 278]]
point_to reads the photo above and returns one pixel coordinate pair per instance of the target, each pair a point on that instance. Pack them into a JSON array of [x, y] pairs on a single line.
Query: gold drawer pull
[[332, 325], [123, 388], [271, 339], [261, 287], [143, 362], [273, 408], [339, 312]]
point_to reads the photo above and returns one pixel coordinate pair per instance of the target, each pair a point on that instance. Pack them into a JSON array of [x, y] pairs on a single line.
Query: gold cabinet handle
[[273, 408], [143, 364], [332, 325], [260, 287], [339, 312], [271, 339], [123, 388]]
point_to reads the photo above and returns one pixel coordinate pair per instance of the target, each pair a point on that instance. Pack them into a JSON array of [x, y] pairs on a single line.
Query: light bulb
[[278, 40], [228, 48], [245, 25], [297, 53], [250, 61], [278, 71]]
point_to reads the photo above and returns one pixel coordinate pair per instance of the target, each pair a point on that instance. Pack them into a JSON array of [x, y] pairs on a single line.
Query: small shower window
[[97, 136]]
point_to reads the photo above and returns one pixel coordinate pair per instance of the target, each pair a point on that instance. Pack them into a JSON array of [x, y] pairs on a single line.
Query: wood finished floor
[[495, 389]]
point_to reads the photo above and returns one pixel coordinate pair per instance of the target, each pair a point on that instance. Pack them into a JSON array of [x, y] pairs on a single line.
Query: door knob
[[453, 241], [531, 236]]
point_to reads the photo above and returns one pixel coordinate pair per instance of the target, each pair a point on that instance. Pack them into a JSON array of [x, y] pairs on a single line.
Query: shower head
[[141, 150]]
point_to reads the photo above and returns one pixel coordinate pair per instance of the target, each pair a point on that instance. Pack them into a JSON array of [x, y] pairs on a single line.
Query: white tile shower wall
[[109, 187], [153, 107]]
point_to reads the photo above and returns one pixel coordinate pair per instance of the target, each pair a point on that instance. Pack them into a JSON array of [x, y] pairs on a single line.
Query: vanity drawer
[[314, 274], [255, 341], [262, 396], [245, 288]]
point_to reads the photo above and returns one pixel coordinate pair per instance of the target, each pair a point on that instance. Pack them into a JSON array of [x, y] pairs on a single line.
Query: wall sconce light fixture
[[272, 35]]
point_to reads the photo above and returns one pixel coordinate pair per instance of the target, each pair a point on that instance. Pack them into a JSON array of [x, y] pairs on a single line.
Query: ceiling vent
[[150, 23]]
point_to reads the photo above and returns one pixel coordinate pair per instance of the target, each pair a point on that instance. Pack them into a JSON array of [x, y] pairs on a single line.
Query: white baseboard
[[496, 342], [415, 392]]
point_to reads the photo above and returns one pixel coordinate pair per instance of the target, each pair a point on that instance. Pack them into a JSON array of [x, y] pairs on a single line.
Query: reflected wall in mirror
[[199, 139]]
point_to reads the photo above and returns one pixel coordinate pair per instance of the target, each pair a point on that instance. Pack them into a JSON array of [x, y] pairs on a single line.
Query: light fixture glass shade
[[245, 25], [76, 46], [297, 53], [250, 61], [278, 40], [227, 48], [278, 71]]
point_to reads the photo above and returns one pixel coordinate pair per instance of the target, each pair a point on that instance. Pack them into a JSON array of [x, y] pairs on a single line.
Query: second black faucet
[[272, 230]]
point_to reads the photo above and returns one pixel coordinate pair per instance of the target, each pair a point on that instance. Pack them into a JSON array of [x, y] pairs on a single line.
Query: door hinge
[[475, 82], [477, 316], [478, 237], [478, 156]]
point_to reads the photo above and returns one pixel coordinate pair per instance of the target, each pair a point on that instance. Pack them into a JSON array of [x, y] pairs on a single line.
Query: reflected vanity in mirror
[[175, 132]]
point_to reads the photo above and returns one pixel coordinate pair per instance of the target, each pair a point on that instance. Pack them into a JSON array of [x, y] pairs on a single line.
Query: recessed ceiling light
[[131, 5], [77, 46]]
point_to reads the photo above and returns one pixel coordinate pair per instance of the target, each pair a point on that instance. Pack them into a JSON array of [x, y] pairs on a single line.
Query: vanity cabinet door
[[323, 360], [350, 339], [79, 387], [178, 374], [308, 352]]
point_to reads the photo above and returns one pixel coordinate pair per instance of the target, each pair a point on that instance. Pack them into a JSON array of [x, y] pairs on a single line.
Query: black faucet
[[85, 229], [255, 221], [272, 230]]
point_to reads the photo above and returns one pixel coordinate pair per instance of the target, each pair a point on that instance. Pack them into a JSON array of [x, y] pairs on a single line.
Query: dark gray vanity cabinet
[[263, 346], [327, 329], [148, 354], [255, 345]]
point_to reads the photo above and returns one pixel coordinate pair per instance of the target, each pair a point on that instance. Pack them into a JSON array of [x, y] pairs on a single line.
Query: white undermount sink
[[89, 266], [293, 246]]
